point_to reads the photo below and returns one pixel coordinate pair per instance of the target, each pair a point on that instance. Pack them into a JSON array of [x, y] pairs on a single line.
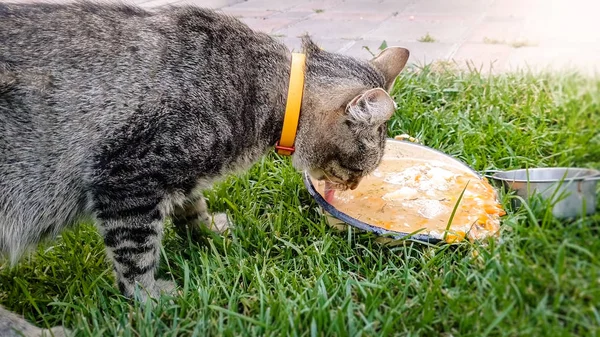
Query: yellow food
[[412, 195]]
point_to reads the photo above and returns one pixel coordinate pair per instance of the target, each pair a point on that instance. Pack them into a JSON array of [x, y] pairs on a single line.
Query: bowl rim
[[396, 235], [592, 174]]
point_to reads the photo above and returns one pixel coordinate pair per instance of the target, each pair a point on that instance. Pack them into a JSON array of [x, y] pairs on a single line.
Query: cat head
[[345, 108]]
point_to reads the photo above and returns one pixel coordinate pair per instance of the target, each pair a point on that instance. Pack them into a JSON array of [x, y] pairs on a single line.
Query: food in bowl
[[418, 195]]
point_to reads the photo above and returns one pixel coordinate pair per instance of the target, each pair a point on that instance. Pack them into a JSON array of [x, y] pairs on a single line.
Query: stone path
[[496, 35]]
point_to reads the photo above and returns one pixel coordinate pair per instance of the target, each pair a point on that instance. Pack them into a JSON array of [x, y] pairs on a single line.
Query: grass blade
[[238, 315], [454, 211]]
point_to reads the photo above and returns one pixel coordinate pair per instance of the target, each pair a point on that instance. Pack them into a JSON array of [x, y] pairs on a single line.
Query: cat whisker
[[336, 185]]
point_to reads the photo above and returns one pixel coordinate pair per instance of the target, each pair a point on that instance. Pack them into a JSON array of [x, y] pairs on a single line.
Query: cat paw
[[165, 287], [161, 287], [220, 223]]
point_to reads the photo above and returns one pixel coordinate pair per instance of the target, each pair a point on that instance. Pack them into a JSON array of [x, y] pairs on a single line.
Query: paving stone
[[157, 3], [497, 31], [313, 5], [269, 5], [246, 13], [445, 29], [449, 7], [420, 53], [207, 3], [362, 49], [348, 16], [331, 29], [267, 24], [291, 14], [562, 24], [489, 58], [514, 8], [382, 7], [551, 33], [331, 45], [293, 43], [555, 59]]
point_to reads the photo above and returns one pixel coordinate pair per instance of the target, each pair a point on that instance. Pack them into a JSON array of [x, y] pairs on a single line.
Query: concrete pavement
[[496, 35]]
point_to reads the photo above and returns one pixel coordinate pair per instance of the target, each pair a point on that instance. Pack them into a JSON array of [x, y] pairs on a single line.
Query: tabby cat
[[127, 115]]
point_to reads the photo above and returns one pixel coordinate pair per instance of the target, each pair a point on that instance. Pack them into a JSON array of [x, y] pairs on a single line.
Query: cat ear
[[374, 107], [308, 46], [390, 62]]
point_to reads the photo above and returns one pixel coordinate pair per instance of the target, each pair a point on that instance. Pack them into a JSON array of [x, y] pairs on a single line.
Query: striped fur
[[125, 115]]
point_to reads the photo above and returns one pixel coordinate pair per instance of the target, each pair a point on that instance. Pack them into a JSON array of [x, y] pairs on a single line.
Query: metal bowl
[[572, 191]]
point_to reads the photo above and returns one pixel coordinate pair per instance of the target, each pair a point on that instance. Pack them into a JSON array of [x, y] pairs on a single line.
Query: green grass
[[284, 272], [427, 38], [514, 44]]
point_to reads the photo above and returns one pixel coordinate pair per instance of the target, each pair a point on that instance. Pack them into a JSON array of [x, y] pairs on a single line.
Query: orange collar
[[285, 145]]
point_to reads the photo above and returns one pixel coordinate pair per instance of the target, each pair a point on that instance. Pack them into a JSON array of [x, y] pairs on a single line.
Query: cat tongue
[[329, 192]]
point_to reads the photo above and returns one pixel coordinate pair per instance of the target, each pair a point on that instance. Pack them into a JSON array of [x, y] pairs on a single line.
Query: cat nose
[[353, 185]]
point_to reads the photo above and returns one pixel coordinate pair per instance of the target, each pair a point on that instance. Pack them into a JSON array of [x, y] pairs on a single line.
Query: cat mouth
[[330, 185], [331, 188], [331, 182]]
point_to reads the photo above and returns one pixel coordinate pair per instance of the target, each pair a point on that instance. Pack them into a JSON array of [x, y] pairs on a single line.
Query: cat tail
[[13, 325]]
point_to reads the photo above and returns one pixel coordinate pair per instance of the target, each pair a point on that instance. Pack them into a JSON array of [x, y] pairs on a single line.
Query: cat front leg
[[133, 243], [193, 214]]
